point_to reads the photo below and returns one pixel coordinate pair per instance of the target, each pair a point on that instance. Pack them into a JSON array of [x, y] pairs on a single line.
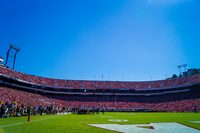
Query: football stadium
[[80, 105], [61, 63]]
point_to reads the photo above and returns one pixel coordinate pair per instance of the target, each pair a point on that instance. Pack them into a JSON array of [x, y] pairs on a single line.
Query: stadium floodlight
[[184, 66], [14, 47], [179, 67], [11, 56]]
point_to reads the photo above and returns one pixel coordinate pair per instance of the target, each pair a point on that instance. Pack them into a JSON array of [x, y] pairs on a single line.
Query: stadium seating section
[[180, 101]]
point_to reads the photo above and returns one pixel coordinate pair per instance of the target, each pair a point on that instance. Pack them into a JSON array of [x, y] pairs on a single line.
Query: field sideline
[[72, 123]]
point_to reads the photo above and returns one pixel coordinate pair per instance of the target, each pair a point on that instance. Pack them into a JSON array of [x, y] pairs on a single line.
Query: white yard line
[[25, 122], [15, 124]]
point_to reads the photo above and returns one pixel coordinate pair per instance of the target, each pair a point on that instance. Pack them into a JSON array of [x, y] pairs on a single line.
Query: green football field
[[72, 123]]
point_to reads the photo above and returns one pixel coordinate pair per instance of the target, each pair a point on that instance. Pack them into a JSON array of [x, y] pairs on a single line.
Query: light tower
[[184, 66], [11, 56], [179, 67]]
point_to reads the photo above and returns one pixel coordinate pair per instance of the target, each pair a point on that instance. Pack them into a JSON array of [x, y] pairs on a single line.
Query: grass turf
[[79, 123]]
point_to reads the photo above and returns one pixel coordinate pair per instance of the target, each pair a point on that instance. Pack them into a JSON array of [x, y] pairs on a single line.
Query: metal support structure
[[11, 56], [179, 67], [185, 67]]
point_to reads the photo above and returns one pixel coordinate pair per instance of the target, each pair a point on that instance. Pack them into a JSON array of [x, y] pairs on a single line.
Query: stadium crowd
[[15, 102], [82, 84]]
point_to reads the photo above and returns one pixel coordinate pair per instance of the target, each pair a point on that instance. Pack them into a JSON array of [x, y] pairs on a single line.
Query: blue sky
[[85, 39]]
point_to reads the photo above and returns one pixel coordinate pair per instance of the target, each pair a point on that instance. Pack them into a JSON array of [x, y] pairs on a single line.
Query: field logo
[[148, 128]]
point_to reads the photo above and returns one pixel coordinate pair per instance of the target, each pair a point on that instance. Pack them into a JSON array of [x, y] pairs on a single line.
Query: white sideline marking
[[25, 122]]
